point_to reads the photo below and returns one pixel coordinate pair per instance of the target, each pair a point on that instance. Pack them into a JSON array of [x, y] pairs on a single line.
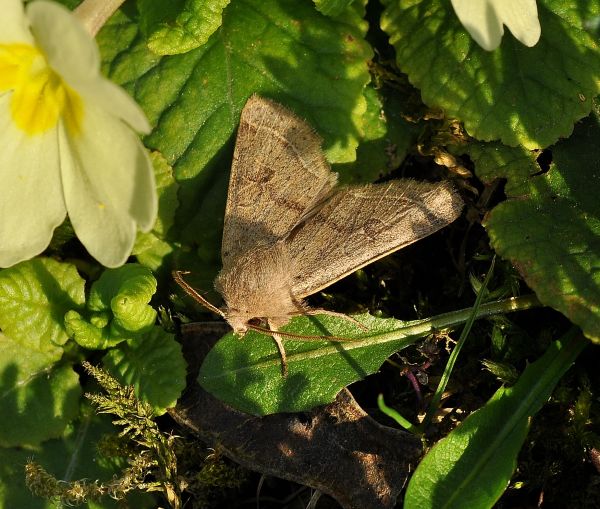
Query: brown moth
[[289, 231]]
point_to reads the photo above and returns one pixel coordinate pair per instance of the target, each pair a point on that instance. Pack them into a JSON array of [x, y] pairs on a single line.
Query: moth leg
[[277, 338], [335, 313]]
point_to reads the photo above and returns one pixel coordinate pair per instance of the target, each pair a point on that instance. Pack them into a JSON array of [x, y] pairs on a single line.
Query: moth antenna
[[193, 293], [301, 337]]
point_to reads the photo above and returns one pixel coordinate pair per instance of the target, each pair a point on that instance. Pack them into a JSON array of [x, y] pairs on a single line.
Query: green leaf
[[246, 372], [166, 188], [153, 364], [549, 226], [117, 308], [68, 458], [282, 49], [529, 96], [178, 26], [387, 138], [34, 297], [151, 247], [332, 7], [471, 467], [38, 397]]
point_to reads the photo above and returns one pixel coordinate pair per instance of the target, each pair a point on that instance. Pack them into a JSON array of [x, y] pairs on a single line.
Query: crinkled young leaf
[[34, 297], [153, 363], [38, 397], [529, 96], [117, 308], [179, 26], [549, 226], [471, 467]]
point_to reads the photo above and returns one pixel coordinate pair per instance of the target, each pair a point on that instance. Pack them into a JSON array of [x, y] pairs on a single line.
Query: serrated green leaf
[[34, 297], [332, 7], [153, 364], [549, 227], [38, 397], [117, 308], [471, 467], [178, 26], [497, 161], [528, 96], [246, 372]]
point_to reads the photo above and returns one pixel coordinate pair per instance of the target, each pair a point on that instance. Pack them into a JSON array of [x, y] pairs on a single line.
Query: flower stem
[[94, 13]]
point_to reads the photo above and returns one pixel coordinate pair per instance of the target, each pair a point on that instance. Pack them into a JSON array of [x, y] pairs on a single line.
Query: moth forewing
[[278, 173], [359, 225]]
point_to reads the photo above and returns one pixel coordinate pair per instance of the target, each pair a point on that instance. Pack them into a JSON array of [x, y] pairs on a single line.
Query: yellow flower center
[[40, 96]]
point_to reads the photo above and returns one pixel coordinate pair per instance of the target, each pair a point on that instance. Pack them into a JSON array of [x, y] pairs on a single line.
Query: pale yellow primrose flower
[[485, 20], [67, 141]]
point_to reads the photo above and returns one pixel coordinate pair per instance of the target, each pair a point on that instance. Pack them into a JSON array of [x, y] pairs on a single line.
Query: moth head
[[238, 320]]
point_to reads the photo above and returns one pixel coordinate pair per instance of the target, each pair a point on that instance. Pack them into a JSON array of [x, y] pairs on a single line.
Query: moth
[[290, 231]]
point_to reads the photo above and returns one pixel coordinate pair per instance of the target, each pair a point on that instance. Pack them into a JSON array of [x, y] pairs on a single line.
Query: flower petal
[[521, 18], [73, 54], [69, 49], [13, 24], [114, 100], [480, 19], [31, 204], [108, 185]]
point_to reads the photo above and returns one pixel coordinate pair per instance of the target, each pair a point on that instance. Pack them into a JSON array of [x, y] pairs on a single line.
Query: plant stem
[[94, 13], [437, 397]]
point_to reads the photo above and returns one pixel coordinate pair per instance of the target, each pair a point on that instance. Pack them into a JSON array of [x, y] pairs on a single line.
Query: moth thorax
[[257, 284]]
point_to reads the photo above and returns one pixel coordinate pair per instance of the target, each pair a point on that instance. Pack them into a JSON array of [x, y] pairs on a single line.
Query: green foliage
[[522, 96], [548, 227], [149, 453], [117, 308], [40, 391], [153, 364], [473, 464], [179, 26], [73, 453], [34, 297], [38, 396], [246, 372]]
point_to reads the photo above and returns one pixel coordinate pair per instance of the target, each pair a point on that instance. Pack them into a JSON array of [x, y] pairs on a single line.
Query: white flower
[[66, 141], [484, 20]]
